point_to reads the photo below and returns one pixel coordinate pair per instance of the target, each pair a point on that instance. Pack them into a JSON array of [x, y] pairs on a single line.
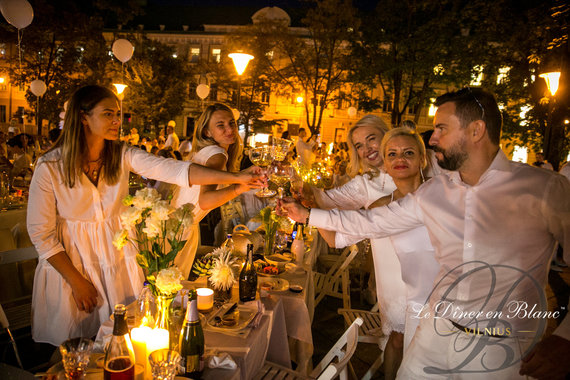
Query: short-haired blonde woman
[[404, 159], [217, 145], [74, 212]]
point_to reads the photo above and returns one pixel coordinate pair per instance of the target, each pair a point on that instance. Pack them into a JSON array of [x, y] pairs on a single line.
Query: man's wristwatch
[[308, 216]]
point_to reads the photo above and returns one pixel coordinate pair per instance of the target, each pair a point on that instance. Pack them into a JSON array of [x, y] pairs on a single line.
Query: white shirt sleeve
[[42, 213], [159, 168], [556, 211], [399, 216]]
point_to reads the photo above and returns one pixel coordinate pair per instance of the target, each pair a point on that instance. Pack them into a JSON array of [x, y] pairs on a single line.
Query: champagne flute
[[281, 147], [262, 156], [280, 173]]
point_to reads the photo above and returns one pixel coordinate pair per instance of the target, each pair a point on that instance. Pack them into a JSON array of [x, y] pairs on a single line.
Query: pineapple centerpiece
[[221, 268]]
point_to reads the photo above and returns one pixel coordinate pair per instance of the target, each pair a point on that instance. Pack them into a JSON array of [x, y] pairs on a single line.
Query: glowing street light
[[551, 79], [240, 61], [300, 99], [120, 88]]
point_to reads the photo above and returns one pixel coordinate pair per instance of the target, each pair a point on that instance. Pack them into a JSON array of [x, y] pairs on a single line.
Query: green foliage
[[158, 82]]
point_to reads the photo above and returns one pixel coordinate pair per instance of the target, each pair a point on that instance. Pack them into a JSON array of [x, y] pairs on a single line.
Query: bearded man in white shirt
[[494, 224]]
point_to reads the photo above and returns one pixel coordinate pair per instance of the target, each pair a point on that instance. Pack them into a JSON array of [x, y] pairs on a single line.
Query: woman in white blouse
[[74, 211], [217, 145], [369, 183]]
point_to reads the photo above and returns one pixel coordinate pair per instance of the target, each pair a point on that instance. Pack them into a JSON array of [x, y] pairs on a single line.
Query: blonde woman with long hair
[[216, 145], [74, 212], [369, 183]]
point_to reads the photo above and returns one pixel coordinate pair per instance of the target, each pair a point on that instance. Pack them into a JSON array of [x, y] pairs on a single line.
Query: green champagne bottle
[[192, 343], [248, 278]]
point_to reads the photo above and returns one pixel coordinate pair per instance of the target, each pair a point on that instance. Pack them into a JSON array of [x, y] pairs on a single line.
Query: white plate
[[246, 315], [277, 284]]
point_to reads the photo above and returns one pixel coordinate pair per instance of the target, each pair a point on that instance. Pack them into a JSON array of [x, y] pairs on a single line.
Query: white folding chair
[[336, 282], [369, 332], [332, 366]]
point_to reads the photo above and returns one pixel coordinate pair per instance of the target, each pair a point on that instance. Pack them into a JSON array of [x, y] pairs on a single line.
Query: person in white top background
[[493, 224], [172, 139], [305, 148], [216, 145], [74, 211]]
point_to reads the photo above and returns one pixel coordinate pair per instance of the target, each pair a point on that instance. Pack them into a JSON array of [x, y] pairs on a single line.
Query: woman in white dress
[[369, 183], [217, 145], [74, 212], [405, 161]]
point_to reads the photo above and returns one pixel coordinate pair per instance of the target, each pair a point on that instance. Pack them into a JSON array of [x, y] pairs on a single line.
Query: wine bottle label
[[191, 364]]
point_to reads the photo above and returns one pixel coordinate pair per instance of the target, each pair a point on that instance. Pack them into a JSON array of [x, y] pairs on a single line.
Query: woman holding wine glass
[[369, 183], [74, 210], [216, 145]]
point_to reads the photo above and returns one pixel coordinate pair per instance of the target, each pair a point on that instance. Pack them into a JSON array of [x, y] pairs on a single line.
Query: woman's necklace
[[93, 169]]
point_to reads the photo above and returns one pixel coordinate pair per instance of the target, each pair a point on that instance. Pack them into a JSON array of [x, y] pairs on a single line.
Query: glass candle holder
[[164, 364]]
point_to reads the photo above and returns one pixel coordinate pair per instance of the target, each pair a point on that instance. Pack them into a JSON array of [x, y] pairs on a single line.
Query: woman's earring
[[422, 175]]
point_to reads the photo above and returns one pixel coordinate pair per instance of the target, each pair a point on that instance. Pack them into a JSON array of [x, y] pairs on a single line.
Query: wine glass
[[164, 364], [280, 173], [75, 357], [262, 156], [281, 147]]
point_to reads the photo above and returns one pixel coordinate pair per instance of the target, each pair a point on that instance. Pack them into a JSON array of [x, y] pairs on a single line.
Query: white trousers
[[441, 351]]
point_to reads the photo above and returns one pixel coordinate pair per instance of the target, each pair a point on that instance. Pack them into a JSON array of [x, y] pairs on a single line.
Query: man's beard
[[453, 158]]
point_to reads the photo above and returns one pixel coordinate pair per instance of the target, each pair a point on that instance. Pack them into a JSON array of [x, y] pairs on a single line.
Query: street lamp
[[552, 80], [240, 63], [120, 88]]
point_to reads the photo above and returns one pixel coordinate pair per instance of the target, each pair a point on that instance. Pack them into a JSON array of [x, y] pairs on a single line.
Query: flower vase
[[269, 245], [163, 303]]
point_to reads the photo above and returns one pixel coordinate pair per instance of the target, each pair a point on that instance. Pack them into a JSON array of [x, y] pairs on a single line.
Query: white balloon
[[62, 115], [17, 12], [351, 111], [123, 50], [236, 114], [65, 105], [203, 90], [38, 87]]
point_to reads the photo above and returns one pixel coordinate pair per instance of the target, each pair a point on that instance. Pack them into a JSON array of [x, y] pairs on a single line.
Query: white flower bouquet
[[156, 227]]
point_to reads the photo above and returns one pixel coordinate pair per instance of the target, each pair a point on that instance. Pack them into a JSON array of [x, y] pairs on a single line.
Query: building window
[[194, 55], [192, 91], [412, 109], [387, 105], [214, 92], [265, 97], [2, 114], [216, 55]]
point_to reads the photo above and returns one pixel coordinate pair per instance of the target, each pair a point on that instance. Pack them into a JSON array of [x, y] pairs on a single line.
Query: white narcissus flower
[[184, 215], [120, 239], [161, 210], [152, 228], [130, 217], [145, 198], [168, 280]]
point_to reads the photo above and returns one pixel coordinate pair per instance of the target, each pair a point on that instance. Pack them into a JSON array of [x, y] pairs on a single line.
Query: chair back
[[336, 281], [342, 351]]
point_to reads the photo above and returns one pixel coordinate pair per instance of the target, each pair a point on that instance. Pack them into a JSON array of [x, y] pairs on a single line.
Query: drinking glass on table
[[75, 357], [164, 364], [262, 156]]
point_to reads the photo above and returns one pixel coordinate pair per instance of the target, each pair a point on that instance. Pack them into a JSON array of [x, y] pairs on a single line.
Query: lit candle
[[139, 336], [157, 339], [205, 299]]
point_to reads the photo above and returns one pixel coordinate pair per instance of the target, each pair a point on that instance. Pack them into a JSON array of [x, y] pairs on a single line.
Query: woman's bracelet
[[308, 216]]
